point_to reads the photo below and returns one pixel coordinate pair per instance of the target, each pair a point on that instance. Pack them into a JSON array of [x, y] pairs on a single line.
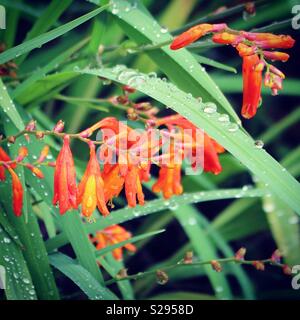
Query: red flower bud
[[240, 254], [258, 265], [59, 127], [216, 265]]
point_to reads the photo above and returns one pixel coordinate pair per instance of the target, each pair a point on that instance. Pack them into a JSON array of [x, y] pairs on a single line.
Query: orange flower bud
[[269, 40], [17, 191], [43, 154], [252, 81], [36, 171], [276, 55], [216, 265], [22, 153], [195, 33], [258, 265]]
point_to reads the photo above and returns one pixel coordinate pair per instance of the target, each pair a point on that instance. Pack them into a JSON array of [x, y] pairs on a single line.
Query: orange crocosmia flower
[[211, 159], [195, 33], [269, 40], [65, 189], [4, 157], [252, 81], [17, 192], [169, 181], [133, 186], [113, 235], [113, 182], [91, 187], [210, 147]]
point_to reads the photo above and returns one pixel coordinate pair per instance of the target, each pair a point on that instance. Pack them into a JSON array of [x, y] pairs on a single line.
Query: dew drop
[[6, 240], [233, 127], [259, 144], [223, 118], [164, 30], [210, 108]]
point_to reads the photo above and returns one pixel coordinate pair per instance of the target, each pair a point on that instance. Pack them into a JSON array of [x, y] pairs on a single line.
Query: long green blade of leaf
[[227, 133], [81, 277], [46, 20], [204, 248], [127, 214], [38, 41]]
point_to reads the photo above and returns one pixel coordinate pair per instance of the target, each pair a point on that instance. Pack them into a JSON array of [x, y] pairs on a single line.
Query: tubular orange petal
[[2, 173], [245, 50], [113, 183], [91, 187], [195, 33], [227, 38], [4, 157], [190, 36], [17, 193], [269, 40], [89, 198], [65, 189], [252, 80], [276, 55], [211, 159]]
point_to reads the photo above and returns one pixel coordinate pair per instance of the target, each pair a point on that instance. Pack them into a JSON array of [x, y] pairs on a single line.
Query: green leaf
[[9, 108], [81, 277], [46, 20], [9, 229], [113, 267], [126, 214], [228, 134], [28, 231], [284, 225], [215, 64], [38, 41], [42, 87], [222, 245], [18, 280], [204, 248], [40, 73]]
